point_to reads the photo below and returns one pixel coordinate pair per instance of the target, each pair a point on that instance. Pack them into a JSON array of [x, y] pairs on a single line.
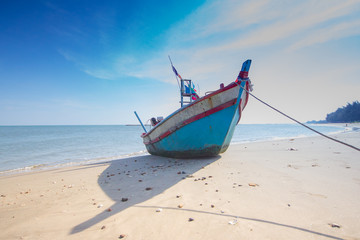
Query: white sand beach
[[304, 188]]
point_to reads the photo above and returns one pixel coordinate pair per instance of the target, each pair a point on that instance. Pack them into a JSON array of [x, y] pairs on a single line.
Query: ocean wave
[[42, 167]]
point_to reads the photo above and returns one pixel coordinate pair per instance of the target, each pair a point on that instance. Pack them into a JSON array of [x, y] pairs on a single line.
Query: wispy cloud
[[100, 73], [208, 42], [214, 35], [94, 72], [336, 31], [265, 22]]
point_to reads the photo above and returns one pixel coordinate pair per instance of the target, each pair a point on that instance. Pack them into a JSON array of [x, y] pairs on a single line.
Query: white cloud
[[100, 73], [209, 43], [290, 21], [336, 31]]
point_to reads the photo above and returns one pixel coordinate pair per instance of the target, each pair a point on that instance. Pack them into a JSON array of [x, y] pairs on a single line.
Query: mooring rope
[[346, 144]]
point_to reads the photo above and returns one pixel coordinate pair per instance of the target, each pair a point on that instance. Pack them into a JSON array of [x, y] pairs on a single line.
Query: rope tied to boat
[[293, 119]]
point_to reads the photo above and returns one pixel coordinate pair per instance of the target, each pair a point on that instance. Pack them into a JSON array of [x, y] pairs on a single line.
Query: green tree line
[[349, 113]]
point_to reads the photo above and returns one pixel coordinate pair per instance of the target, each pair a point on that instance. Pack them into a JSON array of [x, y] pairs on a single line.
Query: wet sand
[[304, 188]]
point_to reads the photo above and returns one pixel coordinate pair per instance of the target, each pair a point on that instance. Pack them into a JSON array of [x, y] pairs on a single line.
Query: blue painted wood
[[246, 66], [206, 136]]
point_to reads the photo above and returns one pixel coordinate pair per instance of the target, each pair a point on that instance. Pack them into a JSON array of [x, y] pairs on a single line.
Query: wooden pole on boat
[[181, 93], [140, 122]]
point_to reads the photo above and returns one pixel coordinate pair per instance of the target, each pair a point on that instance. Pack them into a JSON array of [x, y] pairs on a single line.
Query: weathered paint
[[203, 128], [204, 137], [199, 133]]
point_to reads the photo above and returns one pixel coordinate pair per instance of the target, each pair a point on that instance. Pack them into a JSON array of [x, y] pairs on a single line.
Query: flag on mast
[[176, 73]]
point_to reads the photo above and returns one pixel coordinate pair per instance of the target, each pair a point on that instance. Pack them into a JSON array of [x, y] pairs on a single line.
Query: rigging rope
[[346, 144]]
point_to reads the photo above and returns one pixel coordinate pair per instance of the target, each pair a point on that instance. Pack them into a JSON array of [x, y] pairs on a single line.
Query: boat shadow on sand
[[136, 179]]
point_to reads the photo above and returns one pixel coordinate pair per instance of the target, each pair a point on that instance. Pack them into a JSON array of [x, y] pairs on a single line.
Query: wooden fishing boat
[[205, 126]]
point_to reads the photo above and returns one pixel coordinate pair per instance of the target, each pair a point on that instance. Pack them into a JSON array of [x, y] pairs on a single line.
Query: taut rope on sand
[[338, 141]]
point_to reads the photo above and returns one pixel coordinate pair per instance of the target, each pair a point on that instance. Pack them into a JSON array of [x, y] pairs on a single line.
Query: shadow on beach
[[134, 180]]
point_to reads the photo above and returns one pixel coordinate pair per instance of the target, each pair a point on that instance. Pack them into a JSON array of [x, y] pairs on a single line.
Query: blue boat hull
[[205, 137], [205, 127], [201, 134]]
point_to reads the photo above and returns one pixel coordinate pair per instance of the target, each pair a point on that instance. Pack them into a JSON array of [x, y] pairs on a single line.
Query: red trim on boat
[[193, 119], [209, 112], [243, 74], [231, 85]]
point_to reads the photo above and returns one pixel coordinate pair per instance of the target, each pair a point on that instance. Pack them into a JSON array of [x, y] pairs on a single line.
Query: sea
[[29, 148]]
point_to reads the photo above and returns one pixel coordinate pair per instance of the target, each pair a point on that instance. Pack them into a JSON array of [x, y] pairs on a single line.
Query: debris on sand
[[233, 222], [334, 225]]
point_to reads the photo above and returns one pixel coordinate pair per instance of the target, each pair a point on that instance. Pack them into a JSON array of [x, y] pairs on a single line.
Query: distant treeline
[[349, 113]]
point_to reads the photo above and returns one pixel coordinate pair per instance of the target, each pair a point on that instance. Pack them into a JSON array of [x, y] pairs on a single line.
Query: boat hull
[[201, 129]]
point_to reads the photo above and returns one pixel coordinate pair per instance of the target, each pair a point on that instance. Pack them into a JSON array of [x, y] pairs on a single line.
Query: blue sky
[[95, 62]]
